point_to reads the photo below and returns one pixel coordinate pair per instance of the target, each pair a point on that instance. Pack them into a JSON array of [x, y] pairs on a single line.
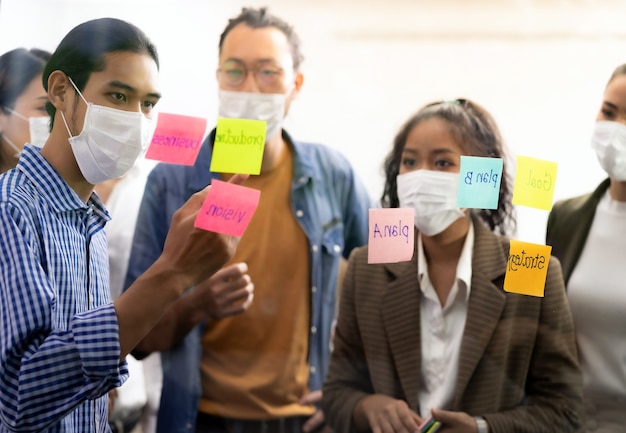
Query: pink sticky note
[[228, 208], [177, 139], [391, 235]]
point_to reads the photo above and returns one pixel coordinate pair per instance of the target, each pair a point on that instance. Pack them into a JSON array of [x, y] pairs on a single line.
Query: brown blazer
[[518, 363]]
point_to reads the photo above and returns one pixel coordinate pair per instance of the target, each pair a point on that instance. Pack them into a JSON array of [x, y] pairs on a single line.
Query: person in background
[[23, 117], [63, 342], [587, 234], [438, 335], [262, 370]]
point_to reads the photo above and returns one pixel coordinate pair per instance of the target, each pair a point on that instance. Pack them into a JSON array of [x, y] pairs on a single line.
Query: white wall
[[538, 66]]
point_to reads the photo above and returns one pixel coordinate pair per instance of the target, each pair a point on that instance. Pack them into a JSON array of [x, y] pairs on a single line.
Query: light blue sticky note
[[479, 182]]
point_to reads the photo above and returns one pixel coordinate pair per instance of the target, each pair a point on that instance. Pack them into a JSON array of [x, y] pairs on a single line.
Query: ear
[[58, 87], [298, 84]]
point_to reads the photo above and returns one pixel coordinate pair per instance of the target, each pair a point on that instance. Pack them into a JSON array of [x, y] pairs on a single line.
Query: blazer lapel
[[486, 303], [401, 320]]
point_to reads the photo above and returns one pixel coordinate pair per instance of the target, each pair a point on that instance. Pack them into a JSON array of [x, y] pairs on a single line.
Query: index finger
[[238, 179]]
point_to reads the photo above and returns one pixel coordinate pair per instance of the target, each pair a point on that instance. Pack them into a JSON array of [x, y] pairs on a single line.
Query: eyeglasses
[[233, 73]]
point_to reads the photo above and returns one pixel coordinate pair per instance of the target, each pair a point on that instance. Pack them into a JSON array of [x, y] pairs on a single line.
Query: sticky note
[[391, 235], [228, 208], [479, 182], [534, 182], [239, 145], [527, 268], [177, 139]]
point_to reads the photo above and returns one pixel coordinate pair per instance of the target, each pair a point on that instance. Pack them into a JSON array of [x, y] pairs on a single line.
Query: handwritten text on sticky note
[[479, 182], [527, 268], [177, 139], [228, 208], [534, 182], [239, 145], [391, 235]]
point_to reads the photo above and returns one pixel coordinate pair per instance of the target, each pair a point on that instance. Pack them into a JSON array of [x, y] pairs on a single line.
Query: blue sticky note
[[479, 182]]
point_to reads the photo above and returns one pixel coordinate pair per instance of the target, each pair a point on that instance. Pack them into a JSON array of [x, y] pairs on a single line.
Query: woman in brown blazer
[[438, 335]]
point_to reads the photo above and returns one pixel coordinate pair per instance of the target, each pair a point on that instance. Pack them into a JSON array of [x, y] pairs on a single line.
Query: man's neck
[[58, 152], [273, 152]]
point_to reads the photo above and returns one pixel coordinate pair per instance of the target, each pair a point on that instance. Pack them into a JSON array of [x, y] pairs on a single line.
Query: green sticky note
[[239, 145], [479, 182]]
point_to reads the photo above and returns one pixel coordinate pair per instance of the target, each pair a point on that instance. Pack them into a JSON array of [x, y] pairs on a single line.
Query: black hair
[[82, 50], [477, 134], [18, 68], [261, 18]]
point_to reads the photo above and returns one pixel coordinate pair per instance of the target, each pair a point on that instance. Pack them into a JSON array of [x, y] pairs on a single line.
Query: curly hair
[[477, 134]]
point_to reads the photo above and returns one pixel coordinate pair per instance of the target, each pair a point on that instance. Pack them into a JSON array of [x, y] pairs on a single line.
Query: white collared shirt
[[442, 330]]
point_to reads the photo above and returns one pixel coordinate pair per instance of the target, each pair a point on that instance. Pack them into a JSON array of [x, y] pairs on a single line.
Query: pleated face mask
[[433, 196]]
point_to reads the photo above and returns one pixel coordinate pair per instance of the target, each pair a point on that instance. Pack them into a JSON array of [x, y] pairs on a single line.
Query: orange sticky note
[[391, 235], [177, 139], [527, 268], [228, 208], [534, 182]]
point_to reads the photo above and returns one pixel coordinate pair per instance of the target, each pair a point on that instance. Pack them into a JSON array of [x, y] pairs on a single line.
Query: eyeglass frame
[[279, 71]]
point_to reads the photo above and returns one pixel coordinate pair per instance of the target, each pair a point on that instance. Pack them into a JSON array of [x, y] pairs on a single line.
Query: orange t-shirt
[[255, 365]]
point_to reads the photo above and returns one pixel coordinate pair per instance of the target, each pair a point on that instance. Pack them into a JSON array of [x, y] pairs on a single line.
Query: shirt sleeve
[[49, 364]]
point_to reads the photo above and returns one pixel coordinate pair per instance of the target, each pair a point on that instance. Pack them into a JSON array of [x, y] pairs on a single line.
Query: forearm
[[179, 319], [145, 303]]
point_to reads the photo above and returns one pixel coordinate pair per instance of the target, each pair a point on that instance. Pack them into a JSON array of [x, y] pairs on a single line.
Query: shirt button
[[314, 289], [313, 329], [337, 248], [313, 369], [302, 179], [299, 213], [314, 248]]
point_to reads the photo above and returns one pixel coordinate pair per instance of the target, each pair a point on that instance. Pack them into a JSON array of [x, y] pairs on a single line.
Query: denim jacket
[[331, 204]]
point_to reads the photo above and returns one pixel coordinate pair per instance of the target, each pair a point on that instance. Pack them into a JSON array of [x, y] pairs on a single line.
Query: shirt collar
[[463, 267], [53, 187]]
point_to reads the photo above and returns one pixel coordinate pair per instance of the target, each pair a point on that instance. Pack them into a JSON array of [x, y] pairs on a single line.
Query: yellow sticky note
[[534, 182], [239, 145], [527, 268]]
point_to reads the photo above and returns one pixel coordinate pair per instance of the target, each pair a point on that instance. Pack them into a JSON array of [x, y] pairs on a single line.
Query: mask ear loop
[[17, 150], [12, 111], [82, 97]]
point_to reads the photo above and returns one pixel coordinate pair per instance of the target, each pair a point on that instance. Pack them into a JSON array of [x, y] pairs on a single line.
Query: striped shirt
[[59, 337]]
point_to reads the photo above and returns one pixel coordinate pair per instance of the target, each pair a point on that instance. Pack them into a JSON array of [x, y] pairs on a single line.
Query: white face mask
[[256, 106], [111, 141], [39, 128], [433, 196], [609, 142]]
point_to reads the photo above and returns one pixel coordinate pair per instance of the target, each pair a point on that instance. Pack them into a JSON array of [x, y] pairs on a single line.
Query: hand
[[388, 415], [194, 253], [228, 292], [455, 422], [316, 421]]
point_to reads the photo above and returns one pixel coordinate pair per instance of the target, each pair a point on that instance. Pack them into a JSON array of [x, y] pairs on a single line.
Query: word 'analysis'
[[392, 231]]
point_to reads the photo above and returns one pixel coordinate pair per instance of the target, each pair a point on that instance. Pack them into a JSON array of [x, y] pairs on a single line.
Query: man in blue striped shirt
[[62, 341]]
